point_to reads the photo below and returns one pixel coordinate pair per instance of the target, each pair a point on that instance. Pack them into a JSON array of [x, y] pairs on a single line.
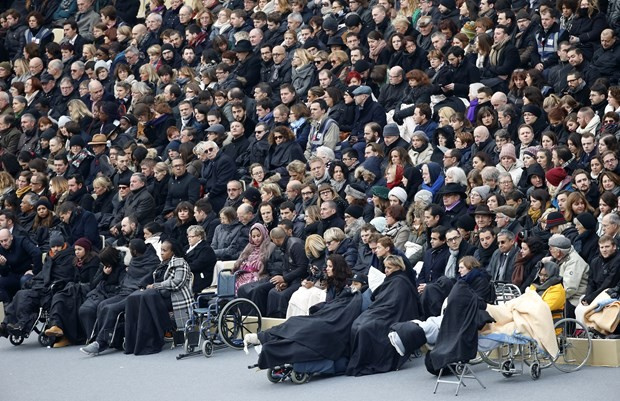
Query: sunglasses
[[278, 137], [209, 150]]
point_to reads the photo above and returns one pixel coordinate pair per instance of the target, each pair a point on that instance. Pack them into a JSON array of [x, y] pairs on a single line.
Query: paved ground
[[30, 372]]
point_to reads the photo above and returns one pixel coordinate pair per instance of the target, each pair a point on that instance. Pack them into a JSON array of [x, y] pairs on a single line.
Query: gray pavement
[[30, 372]]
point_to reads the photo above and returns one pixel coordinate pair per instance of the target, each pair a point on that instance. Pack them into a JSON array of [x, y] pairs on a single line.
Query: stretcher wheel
[[207, 348], [45, 341], [535, 370], [238, 318], [300, 378], [16, 340], [507, 368]]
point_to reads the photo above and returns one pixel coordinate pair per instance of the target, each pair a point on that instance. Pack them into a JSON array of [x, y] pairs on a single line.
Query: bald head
[[6, 239], [35, 66], [256, 36], [608, 38], [396, 75], [481, 134], [498, 100]]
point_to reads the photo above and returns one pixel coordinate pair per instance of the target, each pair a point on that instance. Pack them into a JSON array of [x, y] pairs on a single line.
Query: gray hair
[[56, 64], [490, 173], [211, 143], [196, 230], [78, 64], [458, 175], [132, 50], [508, 234], [141, 88]]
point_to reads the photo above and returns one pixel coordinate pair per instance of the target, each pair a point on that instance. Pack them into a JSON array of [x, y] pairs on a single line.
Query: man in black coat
[[204, 215], [23, 310], [78, 223], [20, 259], [435, 258], [139, 202], [482, 143], [329, 217], [249, 65], [463, 74], [458, 249], [78, 193], [295, 265], [503, 59], [216, 172], [453, 196]]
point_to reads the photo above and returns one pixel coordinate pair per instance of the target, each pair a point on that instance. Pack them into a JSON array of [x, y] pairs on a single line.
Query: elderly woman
[[396, 226], [147, 313], [200, 257], [227, 242], [548, 284], [395, 300]]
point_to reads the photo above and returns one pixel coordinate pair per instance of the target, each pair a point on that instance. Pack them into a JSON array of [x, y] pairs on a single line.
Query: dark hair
[[341, 272]]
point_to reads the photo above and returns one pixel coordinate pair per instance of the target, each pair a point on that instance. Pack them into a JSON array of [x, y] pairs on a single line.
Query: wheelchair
[[39, 326], [220, 320]]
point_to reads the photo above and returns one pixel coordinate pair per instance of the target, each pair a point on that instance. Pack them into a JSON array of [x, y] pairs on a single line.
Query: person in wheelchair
[[63, 319], [548, 284], [139, 274], [57, 271], [200, 257], [259, 261], [147, 316]]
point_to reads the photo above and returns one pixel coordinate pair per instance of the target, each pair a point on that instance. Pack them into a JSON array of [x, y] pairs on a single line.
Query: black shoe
[[3, 331], [15, 329]]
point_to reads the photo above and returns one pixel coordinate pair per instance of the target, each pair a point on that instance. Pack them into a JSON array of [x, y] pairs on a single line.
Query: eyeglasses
[[325, 192], [307, 193], [453, 239], [209, 150], [502, 242], [319, 61]]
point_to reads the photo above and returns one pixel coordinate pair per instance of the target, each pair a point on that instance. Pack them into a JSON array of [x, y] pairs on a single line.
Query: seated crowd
[[308, 142]]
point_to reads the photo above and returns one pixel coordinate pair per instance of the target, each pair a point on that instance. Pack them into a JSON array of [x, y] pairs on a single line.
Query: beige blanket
[[606, 320], [527, 315]]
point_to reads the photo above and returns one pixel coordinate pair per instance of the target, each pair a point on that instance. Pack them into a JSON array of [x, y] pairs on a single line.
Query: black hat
[[130, 118], [77, 140], [48, 134], [532, 108], [47, 77], [355, 211], [483, 210], [351, 89], [243, 45], [360, 278], [518, 4], [449, 4], [453, 188], [587, 220], [310, 43], [335, 40], [166, 47], [330, 24], [252, 194], [124, 180], [44, 202], [361, 66], [555, 219], [353, 19], [466, 222]]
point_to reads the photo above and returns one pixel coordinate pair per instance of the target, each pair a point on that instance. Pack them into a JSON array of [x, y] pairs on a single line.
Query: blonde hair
[[21, 63], [150, 71], [6, 181], [59, 185], [104, 182], [340, 55], [314, 246], [305, 56], [161, 166], [313, 212], [79, 110], [394, 260], [334, 234], [271, 188]]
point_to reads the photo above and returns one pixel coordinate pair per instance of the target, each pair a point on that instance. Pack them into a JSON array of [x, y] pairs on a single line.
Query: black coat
[[256, 152], [463, 75], [279, 156], [183, 188], [324, 335], [458, 335], [82, 223], [22, 255], [81, 198], [140, 204], [214, 176], [435, 261], [604, 273], [586, 245], [201, 261], [396, 300], [160, 193]]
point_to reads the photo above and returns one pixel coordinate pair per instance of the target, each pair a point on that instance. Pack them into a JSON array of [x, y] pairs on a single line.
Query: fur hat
[[483, 191], [424, 196], [355, 191]]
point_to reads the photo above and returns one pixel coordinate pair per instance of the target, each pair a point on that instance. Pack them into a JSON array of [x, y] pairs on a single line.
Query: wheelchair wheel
[[300, 378], [238, 318], [207, 348], [574, 343], [507, 368], [46, 341], [16, 340], [535, 371], [275, 375]]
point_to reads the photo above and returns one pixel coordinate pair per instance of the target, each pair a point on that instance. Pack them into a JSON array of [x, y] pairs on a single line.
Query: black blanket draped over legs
[[65, 309], [147, 319]]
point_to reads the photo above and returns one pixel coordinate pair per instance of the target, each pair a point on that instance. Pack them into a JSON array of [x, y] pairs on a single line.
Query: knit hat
[[587, 220], [532, 108], [469, 29], [44, 202], [330, 24], [424, 196], [84, 243], [391, 130], [466, 222], [355, 211], [101, 64], [355, 191], [507, 211], [252, 194], [379, 223], [555, 219], [361, 66], [56, 239], [531, 150], [77, 140], [137, 245], [449, 4], [399, 193], [380, 192], [508, 150], [560, 241], [352, 19], [555, 176], [483, 191], [360, 278], [48, 134], [5, 65], [62, 121], [310, 43]]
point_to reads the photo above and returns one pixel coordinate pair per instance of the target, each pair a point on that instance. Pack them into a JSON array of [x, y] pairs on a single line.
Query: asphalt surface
[[31, 372]]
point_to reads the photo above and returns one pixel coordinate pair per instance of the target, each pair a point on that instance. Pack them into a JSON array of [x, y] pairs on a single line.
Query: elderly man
[[218, 169], [182, 187], [505, 218], [367, 110], [453, 197], [502, 262], [77, 223], [20, 259], [573, 270], [483, 142], [139, 202], [36, 67], [318, 170], [611, 227], [393, 93], [458, 249], [280, 71]]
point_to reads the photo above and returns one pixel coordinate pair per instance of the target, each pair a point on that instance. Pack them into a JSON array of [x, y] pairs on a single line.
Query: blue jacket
[[435, 261]]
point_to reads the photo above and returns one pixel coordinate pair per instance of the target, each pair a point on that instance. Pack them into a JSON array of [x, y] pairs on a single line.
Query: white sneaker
[[396, 343]]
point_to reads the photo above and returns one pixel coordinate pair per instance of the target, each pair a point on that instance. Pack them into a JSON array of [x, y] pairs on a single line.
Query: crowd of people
[[308, 141]]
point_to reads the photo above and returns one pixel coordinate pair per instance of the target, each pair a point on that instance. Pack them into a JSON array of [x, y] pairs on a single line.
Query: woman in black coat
[[155, 130], [159, 188], [470, 272], [200, 257], [283, 150], [339, 244], [183, 218]]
